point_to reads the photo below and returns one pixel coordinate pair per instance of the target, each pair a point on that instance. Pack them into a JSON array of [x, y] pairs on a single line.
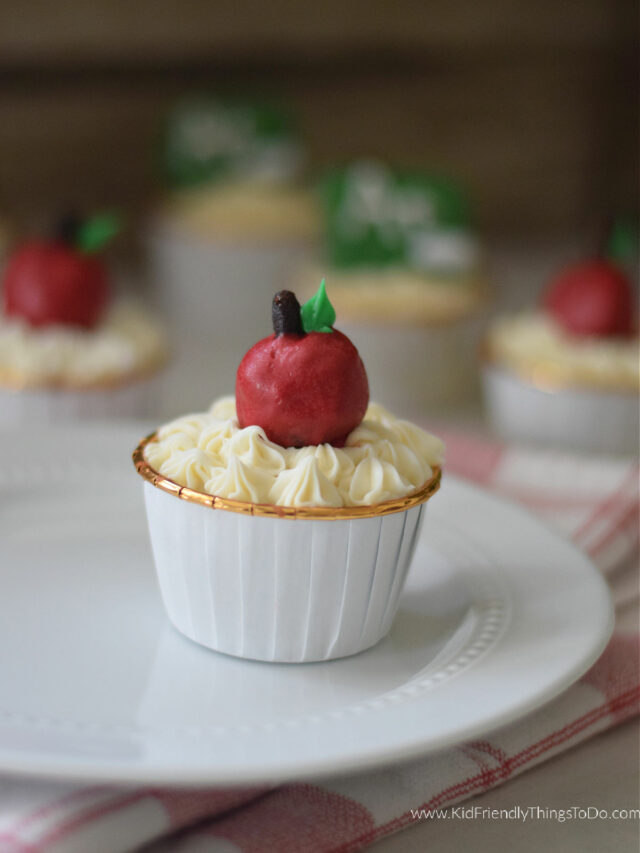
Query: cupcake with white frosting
[[236, 219], [407, 280], [68, 348], [283, 520], [568, 371]]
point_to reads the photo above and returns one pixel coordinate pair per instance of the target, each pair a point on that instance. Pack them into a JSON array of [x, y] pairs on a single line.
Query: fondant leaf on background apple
[[96, 232]]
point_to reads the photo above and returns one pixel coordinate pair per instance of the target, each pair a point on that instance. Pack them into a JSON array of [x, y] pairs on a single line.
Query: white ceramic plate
[[499, 615]]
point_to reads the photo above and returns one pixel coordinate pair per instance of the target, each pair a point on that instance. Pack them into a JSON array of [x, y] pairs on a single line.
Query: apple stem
[[285, 314], [67, 227]]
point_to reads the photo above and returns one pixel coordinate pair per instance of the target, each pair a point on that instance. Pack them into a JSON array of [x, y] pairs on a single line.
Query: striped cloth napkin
[[592, 500]]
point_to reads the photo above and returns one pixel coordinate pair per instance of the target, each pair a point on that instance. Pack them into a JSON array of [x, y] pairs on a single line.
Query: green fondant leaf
[[96, 232], [318, 314], [622, 244]]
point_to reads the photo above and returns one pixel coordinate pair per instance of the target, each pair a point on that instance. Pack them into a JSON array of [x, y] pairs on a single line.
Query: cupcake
[[236, 219], [283, 520], [406, 279], [69, 350], [568, 372]]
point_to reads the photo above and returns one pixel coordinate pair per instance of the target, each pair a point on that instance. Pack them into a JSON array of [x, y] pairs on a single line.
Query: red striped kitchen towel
[[593, 500]]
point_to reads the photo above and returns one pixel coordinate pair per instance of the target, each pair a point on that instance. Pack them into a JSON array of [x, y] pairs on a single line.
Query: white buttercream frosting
[[383, 458], [533, 343], [127, 343]]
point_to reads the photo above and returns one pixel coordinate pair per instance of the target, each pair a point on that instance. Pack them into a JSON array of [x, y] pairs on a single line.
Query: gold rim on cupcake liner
[[550, 377], [318, 513]]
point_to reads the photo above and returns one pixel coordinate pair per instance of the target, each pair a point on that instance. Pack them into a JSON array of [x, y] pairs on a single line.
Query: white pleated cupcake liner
[[216, 295], [579, 419], [275, 589], [135, 399]]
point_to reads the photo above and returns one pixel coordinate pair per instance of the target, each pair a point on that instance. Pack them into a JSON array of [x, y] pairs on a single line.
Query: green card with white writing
[[378, 217], [207, 139]]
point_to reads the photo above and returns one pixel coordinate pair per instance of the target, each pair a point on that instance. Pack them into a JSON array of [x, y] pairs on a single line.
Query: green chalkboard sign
[[378, 217], [207, 139]]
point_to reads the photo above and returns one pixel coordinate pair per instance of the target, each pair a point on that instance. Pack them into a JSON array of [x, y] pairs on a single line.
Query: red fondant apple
[[63, 280], [302, 387], [47, 283], [592, 299]]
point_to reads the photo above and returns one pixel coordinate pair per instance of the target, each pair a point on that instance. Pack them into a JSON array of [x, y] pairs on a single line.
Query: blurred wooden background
[[533, 103]]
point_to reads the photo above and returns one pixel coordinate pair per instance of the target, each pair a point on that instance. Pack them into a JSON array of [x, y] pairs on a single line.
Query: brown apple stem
[[285, 314], [67, 227]]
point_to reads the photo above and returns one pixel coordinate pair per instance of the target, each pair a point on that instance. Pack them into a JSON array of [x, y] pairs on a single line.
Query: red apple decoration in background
[[61, 281], [47, 283], [592, 299], [306, 383]]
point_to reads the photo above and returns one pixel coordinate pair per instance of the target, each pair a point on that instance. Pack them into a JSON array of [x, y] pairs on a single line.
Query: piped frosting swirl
[[383, 458]]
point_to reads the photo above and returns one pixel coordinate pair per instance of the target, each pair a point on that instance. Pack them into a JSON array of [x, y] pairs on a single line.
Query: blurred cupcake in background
[[404, 270], [70, 349], [236, 220], [567, 372]]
